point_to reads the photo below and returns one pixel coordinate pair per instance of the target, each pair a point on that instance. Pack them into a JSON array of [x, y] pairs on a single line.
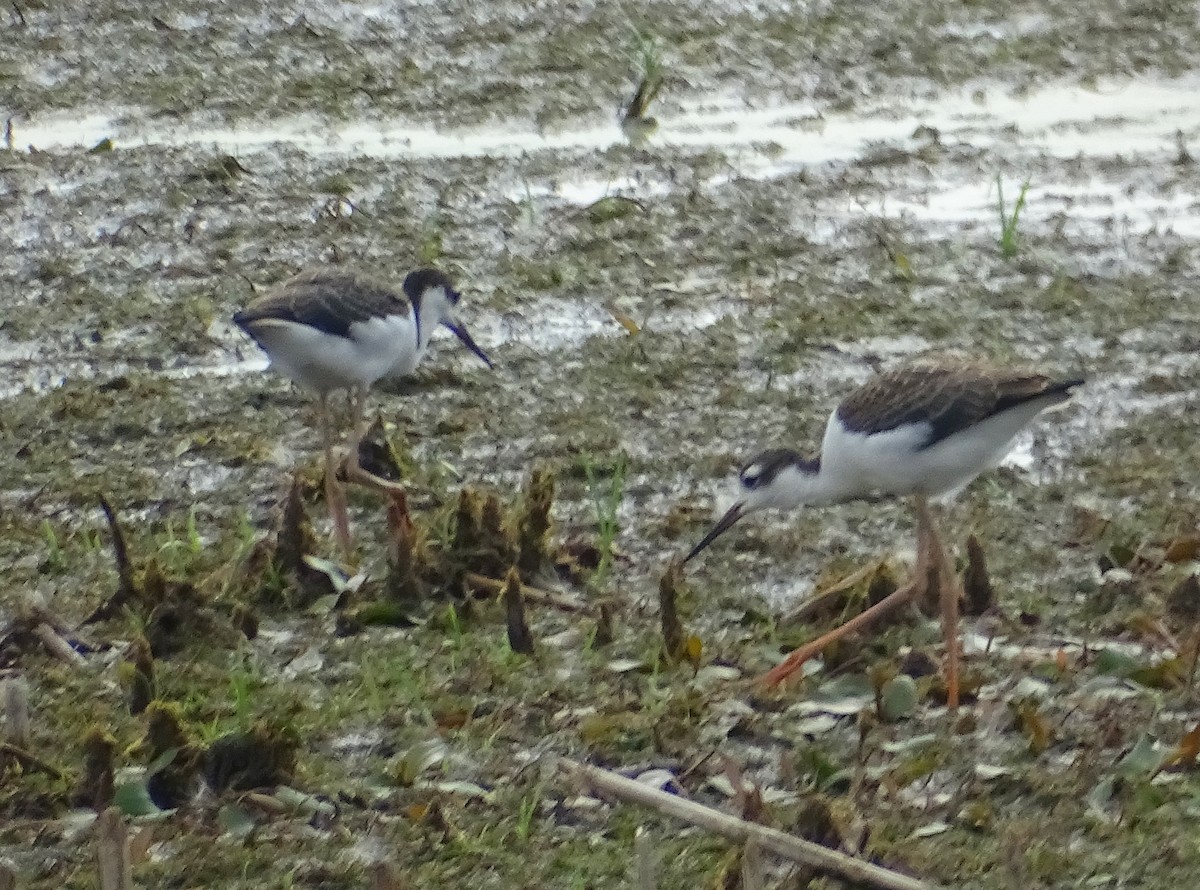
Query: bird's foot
[[810, 650], [339, 514], [353, 472], [940, 590]]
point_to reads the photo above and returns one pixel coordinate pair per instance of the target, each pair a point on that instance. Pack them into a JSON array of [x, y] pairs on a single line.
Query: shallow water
[[1120, 122], [1120, 117]]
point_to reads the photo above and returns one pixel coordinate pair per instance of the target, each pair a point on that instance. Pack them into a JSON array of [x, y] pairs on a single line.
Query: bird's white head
[[779, 479], [435, 301]]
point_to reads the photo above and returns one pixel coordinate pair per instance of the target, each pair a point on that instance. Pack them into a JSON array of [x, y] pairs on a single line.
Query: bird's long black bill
[[732, 515], [462, 334]]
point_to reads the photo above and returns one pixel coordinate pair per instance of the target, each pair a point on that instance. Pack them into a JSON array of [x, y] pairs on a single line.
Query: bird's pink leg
[[923, 573], [335, 494], [352, 468], [949, 592]]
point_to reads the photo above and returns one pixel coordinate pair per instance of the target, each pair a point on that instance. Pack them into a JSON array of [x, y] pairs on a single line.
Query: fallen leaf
[[625, 665], [140, 843], [466, 789], [449, 720], [303, 804], [914, 768], [1141, 761], [989, 771], [235, 820], [898, 698], [624, 320], [978, 815], [1113, 663], [1060, 660], [1033, 725], [417, 759], [133, 799], [1169, 673], [693, 647], [1185, 752], [339, 579], [933, 828], [1185, 548], [1183, 601]]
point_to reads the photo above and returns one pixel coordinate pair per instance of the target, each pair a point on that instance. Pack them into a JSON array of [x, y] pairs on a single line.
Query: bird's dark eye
[[452, 296]]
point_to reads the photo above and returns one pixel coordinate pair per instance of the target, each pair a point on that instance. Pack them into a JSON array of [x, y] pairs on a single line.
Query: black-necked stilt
[[924, 429], [332, 330]]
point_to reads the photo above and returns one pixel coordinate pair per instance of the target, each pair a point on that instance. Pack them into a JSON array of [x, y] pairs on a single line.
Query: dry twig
[[823, 859], [530, 594], [29, 761], [16, 710], [824, 601], [56, 645], [112, 849], [126, 584]]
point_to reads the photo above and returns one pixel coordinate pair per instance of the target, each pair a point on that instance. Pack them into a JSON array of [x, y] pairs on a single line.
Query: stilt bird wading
[[332, 330], [923, 429]]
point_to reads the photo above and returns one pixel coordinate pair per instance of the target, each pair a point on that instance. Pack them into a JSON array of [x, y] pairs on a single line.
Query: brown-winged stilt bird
[[331, 330], [924, 429]]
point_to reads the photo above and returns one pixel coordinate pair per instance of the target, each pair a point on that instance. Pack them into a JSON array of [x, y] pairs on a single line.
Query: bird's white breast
[[324, 362], [894, 462]]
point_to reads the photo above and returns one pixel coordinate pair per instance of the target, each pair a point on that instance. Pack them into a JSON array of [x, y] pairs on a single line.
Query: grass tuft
[[1009, 221], [606, 495]]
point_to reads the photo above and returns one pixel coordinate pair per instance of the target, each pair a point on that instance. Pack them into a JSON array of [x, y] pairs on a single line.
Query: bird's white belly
[[324, 362], [894, 463], [405, 364]]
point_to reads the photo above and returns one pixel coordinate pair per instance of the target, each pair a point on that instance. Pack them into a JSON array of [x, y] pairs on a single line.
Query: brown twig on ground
[[16, 710], [126, 586], [604, 624], [825, 599], [823, 859], [1191, 655], [56, 645], [112, 850], [272, 806], [668, 610], [977, 586], [789, 665], [520, 638], [42, 614], [531, 594], [29, 760], [384, 876]]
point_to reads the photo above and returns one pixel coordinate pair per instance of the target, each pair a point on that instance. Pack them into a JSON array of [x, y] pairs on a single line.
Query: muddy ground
[[821, 198]]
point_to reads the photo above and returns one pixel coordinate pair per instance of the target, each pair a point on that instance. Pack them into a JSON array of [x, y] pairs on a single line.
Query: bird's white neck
[[430, 310], [425, 332], [808, 483]]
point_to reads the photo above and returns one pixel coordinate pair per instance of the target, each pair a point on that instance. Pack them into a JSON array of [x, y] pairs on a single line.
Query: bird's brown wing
[[947, 397], [327, 301]]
